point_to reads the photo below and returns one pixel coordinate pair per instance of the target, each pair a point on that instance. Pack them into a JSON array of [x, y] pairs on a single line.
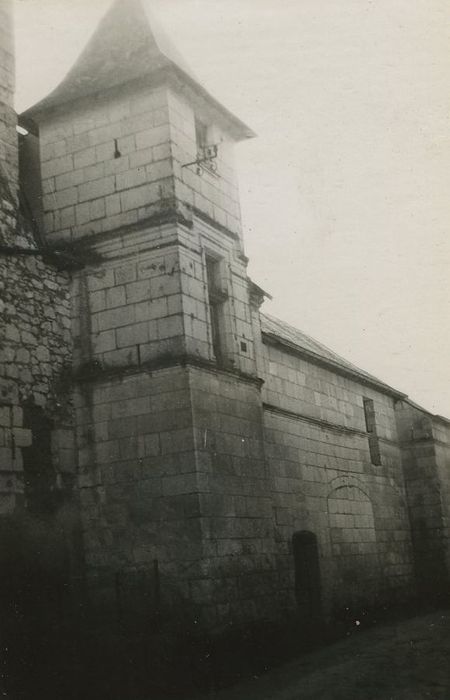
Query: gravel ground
[[408, 660]]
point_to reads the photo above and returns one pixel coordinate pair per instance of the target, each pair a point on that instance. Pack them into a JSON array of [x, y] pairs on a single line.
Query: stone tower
[[137, 169]]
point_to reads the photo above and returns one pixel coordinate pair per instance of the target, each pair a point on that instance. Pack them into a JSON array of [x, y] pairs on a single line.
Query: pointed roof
[[128, 45]]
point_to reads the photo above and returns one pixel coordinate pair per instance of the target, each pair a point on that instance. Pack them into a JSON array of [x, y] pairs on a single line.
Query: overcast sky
[[345, 190]]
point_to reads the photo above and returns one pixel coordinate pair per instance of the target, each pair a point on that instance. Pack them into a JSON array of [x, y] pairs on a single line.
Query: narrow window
[[216, 298], [374, 445]]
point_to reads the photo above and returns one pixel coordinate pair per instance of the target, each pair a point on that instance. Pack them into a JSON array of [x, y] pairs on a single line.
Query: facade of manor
[[154, 422]]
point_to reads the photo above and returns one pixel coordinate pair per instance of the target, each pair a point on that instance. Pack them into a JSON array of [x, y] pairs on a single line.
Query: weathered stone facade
[[213, 450]]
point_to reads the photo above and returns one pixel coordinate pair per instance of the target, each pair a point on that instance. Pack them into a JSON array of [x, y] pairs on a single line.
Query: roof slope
[[278, 329], [127, 45]]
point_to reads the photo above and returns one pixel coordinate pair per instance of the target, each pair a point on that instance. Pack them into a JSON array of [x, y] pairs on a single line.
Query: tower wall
[[8, 134], [106, 164], [161, 479]]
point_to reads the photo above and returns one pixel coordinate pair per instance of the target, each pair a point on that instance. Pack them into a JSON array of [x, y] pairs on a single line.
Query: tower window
[[374, 445], [201, 134], [216, 298]]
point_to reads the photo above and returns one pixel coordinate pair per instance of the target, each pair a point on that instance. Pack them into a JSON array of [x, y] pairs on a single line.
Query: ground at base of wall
[[402, 660], [189, 665]]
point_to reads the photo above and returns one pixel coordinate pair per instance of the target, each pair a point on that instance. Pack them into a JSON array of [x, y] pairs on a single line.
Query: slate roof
[[276, 329], [129, 44]]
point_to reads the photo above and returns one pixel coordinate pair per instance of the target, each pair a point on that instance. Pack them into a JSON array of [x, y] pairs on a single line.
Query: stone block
[[82, 213], [57, 166], [115, 318], [177, 441], [141, 158], [104, 341], [151, 445], [112, 204], [101, 279], [125, 357], [159, 170], [84, 158], [97, 209], [96, 189], [131, 178], [67, 217], [152, 137], [70, 179], [150, 310], [104, 152], [170, 326], [125, 274], [138, 291], [115, 296], [132, 335], [139, 197], [116, 165], [93, 172], [22, 437], [97, 301]]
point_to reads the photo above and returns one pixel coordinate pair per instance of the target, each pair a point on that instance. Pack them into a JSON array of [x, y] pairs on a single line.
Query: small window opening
[[117, 153], [243, 346], [201, 134], [374, 445]]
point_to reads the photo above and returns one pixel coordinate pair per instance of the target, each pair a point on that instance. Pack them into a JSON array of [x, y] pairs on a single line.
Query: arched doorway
[[307, 574]]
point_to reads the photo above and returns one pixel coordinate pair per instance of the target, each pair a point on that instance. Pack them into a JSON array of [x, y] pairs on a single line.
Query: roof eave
[[239, 130], [334, 366]]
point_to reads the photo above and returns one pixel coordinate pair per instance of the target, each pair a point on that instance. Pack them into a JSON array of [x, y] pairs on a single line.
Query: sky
[[344, 192]]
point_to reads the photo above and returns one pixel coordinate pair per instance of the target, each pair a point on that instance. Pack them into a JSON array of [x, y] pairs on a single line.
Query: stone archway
[[353, 544]]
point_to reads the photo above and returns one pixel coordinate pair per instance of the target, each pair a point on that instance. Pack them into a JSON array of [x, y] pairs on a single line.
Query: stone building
[[153, 419]]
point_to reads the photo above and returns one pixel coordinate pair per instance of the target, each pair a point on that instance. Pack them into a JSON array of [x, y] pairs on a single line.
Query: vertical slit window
[[216, 298], [371, 427]]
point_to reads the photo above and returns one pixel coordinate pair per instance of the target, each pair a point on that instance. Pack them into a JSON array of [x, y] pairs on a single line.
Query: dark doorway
[[40, 480], [307, 574]]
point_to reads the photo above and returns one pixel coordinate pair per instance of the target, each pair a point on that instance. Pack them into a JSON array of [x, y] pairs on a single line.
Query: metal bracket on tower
[[206, 157]]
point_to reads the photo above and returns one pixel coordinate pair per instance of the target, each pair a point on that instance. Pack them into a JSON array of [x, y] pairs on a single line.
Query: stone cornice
[[94, 372]]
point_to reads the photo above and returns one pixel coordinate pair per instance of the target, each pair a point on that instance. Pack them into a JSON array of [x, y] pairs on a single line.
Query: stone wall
[[324, 481], [35, 354], [107, 164], [120, 159], [441, 434], [138, 481], [239, 580], [211, 193], [426, 460], [34, 314]]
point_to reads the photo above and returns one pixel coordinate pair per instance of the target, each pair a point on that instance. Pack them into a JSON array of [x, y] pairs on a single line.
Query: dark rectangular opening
[[216, 300], [201, 134], [371, 427]]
